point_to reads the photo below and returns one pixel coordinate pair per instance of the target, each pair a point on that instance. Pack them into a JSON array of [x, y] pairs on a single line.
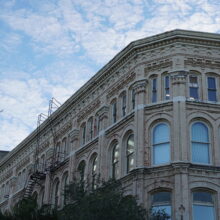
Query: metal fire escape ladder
[[53, 106], [38, 173]]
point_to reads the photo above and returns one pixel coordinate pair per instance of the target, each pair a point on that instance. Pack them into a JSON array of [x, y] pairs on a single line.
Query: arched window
[[65, 182], [114, 111], [161, 144], [203, 206], [130, 152], [81, 171], [58, 152], [64, 149], [56, 193], [161, 205], [94, 172], [123, 104], [115, 161], [200, 143], [90, 129], [83, 134]]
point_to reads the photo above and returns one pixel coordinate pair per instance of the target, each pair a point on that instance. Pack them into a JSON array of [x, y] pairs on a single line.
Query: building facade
[[150, 117]]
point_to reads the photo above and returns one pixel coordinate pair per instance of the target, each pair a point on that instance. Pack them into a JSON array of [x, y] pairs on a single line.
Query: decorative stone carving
[[140, 86], [121, 84], [74, 135], [178, 77], [90, 108]]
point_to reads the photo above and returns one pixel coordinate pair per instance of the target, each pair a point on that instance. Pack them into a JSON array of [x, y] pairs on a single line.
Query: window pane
[[200, 133], [162, 197], [200, 153], [211, 83], [167, 82], [130, 144], [161, 134], [201, 212], [154, 84], [161, 153], [159, 210], [204, 197], [193, 93], [115, 154], [212, 95]]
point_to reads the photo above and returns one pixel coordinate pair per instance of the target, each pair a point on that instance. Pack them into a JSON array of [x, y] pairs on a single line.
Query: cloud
[[51, 48]]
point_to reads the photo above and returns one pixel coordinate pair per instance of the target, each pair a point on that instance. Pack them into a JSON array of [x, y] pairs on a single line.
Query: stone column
[[139, 88], [74, 144], [102, 148], [179, 132]]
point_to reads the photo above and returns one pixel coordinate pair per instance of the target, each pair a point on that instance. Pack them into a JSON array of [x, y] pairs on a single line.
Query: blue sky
[[50, 48]]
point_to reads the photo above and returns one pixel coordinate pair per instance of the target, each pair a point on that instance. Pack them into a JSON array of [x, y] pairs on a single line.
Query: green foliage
[[158, 215], [106, 202]]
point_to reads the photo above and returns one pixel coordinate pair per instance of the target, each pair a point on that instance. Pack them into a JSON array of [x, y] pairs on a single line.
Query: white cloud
[[79, 31]]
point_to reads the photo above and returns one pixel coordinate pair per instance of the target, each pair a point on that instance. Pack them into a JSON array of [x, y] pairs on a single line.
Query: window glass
[[161, 144], [167, 87], [123, 105], [90, 127], [81, 170], [161, 204], [115, 161], [154, 90], [193, 88], [94, 172], [212, 89], [114, 112], [203, 206], [130, 153], [84, 134], [200, 143], [133, 99]]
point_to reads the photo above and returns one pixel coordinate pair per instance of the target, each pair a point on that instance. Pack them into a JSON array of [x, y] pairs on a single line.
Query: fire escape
[[40, 167]]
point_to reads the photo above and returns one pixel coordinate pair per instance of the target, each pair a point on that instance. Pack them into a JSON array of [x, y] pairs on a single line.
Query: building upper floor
[[165, 88]]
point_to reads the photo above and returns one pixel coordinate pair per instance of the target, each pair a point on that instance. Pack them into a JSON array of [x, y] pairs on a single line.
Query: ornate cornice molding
[[126, 79]]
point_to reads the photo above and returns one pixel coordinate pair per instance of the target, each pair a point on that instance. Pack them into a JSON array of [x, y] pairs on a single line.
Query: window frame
[[154, 91], [209, 143], [130, 155], [116, 164], [212, 89], [163, 204], [213, 194], [192, 85], [153, 145], [167, 96]]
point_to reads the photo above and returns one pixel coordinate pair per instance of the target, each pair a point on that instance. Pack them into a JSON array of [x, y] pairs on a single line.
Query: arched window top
[[161, 133], [200, 132], [203, 205], [161, 144], [161, 201]]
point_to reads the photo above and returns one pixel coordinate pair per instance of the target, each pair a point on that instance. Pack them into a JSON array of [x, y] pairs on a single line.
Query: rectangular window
[[133, 99], [193, 88], [167, 87], [84, 135], [154, 90], [212, 89], [114, 112], [123, 105]]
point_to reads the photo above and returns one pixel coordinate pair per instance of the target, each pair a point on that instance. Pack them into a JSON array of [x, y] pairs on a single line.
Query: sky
[[50, 48]]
